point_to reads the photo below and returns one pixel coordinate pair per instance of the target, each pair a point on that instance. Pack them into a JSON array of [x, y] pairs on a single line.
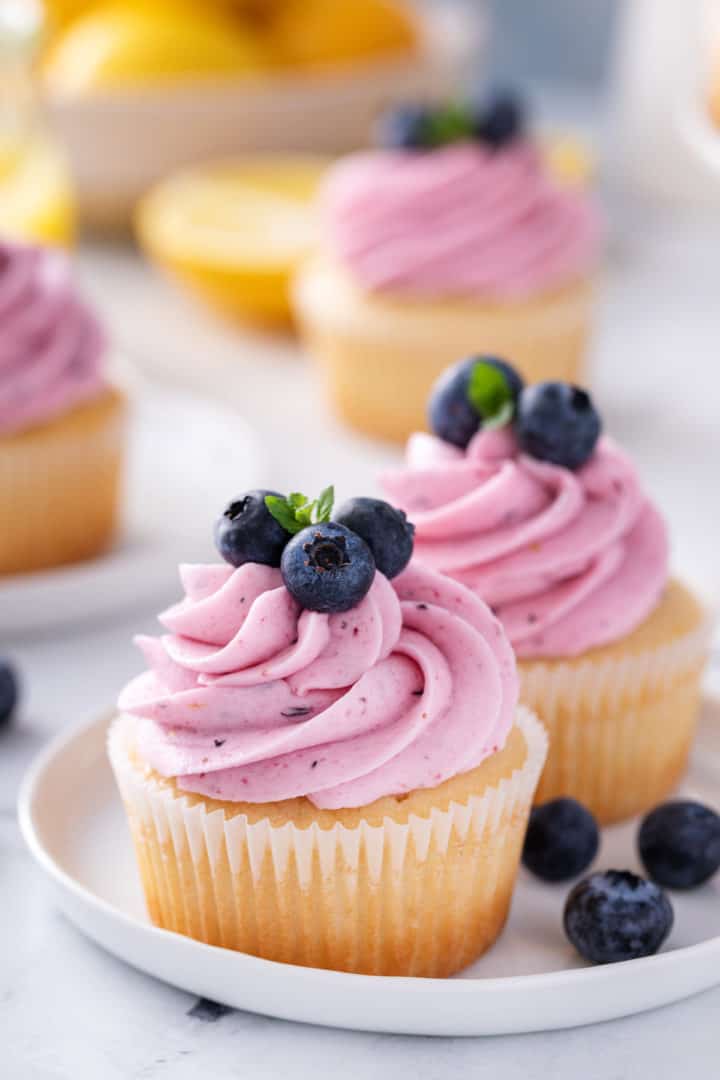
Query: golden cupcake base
[[59, 486], [411, 885], [621, 719], [379, 357]]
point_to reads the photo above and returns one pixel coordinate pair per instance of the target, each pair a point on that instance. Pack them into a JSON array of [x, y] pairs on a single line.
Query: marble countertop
[[70, 1010]]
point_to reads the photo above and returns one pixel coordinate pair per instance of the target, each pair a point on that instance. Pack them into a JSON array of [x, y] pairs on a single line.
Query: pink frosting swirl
[[567, 560], [464, 220], [51, 346], [250, 698]]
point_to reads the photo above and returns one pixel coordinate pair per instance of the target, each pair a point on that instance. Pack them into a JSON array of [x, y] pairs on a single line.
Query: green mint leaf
[[296, 512], [304, 514], [490, 395], [324, 504], [449, 125], [284, 513]]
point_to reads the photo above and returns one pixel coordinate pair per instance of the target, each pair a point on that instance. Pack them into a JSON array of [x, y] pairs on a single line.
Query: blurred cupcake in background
[[61, 421], [519, 497], [455, 234]]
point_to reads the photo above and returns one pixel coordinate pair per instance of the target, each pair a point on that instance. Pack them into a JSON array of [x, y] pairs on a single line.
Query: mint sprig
[[296, 511], [490, 395], [449, 124]]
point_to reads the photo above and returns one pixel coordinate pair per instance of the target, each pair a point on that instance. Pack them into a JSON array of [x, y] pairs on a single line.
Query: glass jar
[[35, 194]]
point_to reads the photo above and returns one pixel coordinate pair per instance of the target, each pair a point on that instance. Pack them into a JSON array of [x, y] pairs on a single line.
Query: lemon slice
[[569, 159], [235, 232], [35, 195]]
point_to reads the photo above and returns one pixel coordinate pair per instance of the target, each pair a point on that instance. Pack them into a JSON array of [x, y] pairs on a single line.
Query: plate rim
[[505, 984]]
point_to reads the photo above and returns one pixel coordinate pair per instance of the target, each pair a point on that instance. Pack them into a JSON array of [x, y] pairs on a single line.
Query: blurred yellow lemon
[[235, 232], [569, 159], [306, 33], [124, 45], [35, 195]]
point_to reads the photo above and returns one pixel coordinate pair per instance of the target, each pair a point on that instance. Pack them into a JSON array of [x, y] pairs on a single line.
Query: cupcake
[[456, 233], [324, 766], [61, 423], [519, 497]]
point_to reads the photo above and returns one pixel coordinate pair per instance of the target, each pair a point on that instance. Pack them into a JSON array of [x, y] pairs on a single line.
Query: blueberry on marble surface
[[679, 844], [617, 915], [499, 119], [557, 422], [480, 391], [385, 530], [562, 840], [327, 567], [9, 691], [247, 531]]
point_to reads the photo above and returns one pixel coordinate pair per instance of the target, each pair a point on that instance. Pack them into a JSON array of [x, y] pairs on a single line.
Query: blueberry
[[327, 567], [499, 119], [8, 691], [557, 422], [562, 840], [616, 916], [247, 531], [450, 413], [385, 530], [679, 844], [408, 127]]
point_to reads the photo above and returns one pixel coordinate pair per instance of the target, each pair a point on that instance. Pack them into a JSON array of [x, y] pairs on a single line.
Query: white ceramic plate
[[532, 980], [186, 459]]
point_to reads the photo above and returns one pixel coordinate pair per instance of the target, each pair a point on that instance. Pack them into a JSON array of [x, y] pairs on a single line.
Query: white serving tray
[[186, 459], [531, 980]]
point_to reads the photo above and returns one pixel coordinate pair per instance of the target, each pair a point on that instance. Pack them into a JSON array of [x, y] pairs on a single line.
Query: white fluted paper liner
[[424, 897], [620, 727], [59, 483]]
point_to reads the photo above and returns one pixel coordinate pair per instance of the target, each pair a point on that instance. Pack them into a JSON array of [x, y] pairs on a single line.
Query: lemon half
[[235, 232]]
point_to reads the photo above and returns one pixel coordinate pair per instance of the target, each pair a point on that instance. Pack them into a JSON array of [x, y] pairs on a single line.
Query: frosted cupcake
[[323, 766], [518, 497], [61, 423], [456, 234]]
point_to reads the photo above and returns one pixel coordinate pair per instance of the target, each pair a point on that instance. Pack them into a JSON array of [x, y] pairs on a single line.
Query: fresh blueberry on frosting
[[494, 122], [481, 391], [385, 530], [247, 531], [327, 568], [499, 119], [407, 127], [557, 422], [617, 915]]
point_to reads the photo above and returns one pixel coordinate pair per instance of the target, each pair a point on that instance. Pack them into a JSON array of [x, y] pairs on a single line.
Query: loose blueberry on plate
[[385, 530], [9, 692], [562, 840], [481, 391], [499, 120], [327, 567], [406, 128], [557, 422], [248, 532], [617, 915], [679, 844]]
